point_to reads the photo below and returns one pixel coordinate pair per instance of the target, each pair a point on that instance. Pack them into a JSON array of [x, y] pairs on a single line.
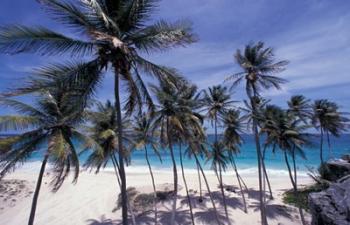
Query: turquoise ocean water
[[246, 160]]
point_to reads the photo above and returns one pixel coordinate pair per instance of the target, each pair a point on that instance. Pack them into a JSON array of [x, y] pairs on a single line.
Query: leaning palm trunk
[[329, 145], [120, 147], [173, 213], [208, 188], [239, 183], [185, 183], [116, 170], [223, 194], [200, 185], [154, 187], [295, 188], [266, 177], [260, 162], [37, 190], [321, 146]]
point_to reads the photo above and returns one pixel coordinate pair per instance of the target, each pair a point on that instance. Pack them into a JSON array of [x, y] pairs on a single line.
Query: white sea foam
[[248, 171]]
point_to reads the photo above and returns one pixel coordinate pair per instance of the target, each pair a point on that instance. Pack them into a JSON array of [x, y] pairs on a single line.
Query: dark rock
[[346, 158], [335, 169], [332, 206]]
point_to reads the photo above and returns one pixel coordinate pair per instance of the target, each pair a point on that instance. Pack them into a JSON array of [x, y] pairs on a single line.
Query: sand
[[93, 200]]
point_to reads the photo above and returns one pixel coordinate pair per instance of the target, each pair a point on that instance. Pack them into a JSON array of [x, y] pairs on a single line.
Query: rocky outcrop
[[336, 169], [332, 206]]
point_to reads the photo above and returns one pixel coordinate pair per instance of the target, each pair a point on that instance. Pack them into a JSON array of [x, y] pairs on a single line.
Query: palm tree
[[144, 136], [190, 99], [50, 122], [219, 162], [216, 100], [329, 120], [168, 118], [104, 130], [114, 33], [259, 66], [286, 133], [233, 124], [176, 119], [298, 109]]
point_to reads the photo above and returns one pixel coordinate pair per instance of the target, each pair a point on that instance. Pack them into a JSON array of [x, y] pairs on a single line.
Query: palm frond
[[75, 16], [24, 108], [17, 39], [135, 13], [16, 123], [162, 36], [18, 154]]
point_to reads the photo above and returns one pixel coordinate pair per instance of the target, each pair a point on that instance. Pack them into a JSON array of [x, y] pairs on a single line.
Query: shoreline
[[34, 166]]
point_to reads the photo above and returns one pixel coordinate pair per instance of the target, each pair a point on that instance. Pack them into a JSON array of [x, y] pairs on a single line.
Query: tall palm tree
[[259, 66], [216, 100], [190, 99], [299, 108], [168, 118], [233, 124], [219, 162], [329, 120], [177, 120], [113, 34], [144, 136], [104, 130], [287, 134], [49, 123]]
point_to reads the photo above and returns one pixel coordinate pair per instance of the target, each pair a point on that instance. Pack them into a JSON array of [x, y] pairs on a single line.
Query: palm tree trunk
[[261, 194], [239, 183], [295, 168], [329, 145], [37, 190], [200, 185], [294, 184], [243, 183], [216, 129], [321, 146], [186, 187], [120, 148], [154, 187], [208, 188], [173, 214], [116, 170], [289, 169], [265, 174], [260, 162], [223, 194], [217, 174]]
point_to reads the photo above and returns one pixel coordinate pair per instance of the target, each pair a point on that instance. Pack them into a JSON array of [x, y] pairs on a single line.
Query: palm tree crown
[[258, 64], [52, 121]]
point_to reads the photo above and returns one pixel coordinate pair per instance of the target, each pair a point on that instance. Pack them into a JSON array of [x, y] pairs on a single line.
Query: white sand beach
[[92, 201]]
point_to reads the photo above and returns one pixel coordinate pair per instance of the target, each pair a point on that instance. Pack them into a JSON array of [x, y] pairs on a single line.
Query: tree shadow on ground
[[208, 217], [232, 202], [164, 217], [255, 194], [102, 221], [274, 211]]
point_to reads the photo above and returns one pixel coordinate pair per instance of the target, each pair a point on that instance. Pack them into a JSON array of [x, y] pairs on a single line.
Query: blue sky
[[314, 35]]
